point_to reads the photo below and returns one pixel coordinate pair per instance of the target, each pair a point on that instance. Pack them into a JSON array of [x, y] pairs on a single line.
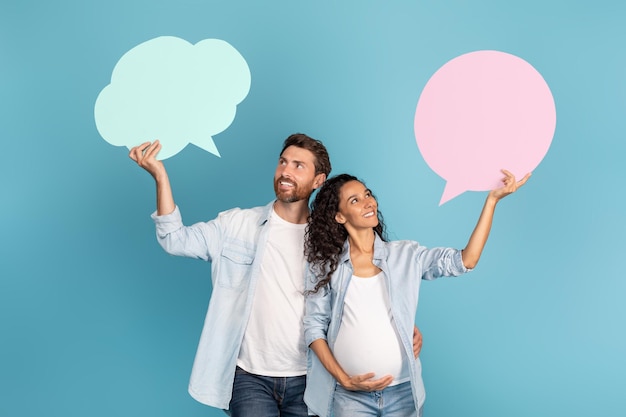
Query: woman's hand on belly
[[365, 382]]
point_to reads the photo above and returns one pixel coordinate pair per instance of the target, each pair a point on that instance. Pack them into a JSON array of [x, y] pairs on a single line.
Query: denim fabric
[[405, 264], [234, 243], [265, 396], [395, 401]]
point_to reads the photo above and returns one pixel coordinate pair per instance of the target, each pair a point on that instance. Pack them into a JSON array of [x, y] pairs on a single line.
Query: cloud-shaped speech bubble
[[479, 113], [174, 91]]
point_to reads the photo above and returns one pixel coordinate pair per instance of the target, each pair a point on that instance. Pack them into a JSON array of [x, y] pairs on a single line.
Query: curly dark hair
[[325, 237]]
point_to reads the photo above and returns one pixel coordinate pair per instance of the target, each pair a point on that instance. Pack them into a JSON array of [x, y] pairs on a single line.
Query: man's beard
[[290, 196]]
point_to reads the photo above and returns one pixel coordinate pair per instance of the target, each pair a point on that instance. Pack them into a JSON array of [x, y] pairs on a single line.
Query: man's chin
[[289, 198]]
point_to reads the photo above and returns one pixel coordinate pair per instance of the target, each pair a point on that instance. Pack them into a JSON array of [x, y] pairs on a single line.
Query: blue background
[[96, 320]]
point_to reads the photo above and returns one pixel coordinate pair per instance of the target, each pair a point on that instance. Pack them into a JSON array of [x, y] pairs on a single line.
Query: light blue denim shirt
[[234, 243], [405, 264]]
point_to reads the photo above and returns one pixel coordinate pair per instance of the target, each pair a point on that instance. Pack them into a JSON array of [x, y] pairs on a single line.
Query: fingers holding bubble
[[509, 184]]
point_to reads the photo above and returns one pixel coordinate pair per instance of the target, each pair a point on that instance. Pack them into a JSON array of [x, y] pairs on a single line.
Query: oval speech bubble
[[479, 113], [174, 91]]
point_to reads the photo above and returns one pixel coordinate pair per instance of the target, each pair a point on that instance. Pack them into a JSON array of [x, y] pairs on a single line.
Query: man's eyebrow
[[282, 158]]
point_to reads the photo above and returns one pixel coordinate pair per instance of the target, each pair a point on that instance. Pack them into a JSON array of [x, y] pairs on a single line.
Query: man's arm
[[473, 250], [145, 156]]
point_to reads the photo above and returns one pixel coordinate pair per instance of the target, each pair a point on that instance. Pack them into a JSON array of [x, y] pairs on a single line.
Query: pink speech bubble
[[482, 112]]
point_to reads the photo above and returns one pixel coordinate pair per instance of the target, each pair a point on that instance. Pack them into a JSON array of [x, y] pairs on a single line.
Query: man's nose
[[287, 171]]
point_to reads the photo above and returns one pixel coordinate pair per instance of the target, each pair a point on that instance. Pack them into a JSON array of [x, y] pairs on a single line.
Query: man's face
[[295, 178]]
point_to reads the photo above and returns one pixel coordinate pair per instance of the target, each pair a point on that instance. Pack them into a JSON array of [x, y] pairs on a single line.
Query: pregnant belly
[[361, 350]]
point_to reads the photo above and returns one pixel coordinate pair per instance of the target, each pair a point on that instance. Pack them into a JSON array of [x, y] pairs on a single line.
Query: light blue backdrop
[[95, 320]]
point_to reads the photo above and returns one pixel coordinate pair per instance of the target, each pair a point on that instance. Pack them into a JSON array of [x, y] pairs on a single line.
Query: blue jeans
[[394, 401], [267, 396]]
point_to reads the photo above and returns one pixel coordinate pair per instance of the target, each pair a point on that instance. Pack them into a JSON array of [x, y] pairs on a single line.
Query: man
[[251, 358]]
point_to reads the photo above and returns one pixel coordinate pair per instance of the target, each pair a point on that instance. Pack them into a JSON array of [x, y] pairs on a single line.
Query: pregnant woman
[[362, 299]]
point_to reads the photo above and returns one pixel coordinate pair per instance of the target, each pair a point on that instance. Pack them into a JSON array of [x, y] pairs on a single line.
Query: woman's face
[[357, 206]]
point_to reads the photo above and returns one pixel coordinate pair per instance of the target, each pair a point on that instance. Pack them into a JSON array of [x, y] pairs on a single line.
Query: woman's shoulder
[[394, 248], [403, 245]]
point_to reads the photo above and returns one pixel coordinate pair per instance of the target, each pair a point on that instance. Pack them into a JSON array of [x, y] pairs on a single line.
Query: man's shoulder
[[246, 214]]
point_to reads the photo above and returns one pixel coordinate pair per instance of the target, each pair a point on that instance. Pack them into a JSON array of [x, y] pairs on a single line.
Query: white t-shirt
[[273, 343], [367, 340]]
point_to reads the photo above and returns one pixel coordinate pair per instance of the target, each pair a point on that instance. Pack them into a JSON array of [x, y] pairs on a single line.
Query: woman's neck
[[361, 240], [362, 253]]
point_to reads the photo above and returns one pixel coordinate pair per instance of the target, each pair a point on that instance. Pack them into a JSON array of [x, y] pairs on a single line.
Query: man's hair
[[316, 147]]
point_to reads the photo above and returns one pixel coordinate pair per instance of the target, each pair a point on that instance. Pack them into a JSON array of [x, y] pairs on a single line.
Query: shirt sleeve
[[318, 309], [441, 262], [196, 241]]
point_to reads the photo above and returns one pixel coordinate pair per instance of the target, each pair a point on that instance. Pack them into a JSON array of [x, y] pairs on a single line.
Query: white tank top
[[367, 340]]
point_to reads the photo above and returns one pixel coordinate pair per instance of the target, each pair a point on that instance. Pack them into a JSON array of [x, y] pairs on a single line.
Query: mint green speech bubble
[[174, 91]]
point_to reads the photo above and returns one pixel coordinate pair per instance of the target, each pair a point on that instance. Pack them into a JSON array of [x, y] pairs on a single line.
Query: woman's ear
[[339, 218]]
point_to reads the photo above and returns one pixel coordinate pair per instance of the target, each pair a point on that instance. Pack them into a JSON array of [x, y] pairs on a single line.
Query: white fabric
[[273, 343], [367, 340]]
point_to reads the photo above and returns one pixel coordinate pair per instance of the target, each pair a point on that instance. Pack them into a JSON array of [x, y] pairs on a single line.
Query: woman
[[362, 299]]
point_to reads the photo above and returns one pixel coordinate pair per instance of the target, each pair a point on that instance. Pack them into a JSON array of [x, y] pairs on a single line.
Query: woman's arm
[[473, 250], [353, 383]]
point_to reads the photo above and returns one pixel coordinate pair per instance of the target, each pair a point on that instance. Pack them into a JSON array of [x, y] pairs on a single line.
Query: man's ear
[[319, 180], [339, 218]]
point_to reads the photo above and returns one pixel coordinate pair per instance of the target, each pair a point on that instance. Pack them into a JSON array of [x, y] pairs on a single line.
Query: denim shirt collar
[[267, 212], [380, 250]]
